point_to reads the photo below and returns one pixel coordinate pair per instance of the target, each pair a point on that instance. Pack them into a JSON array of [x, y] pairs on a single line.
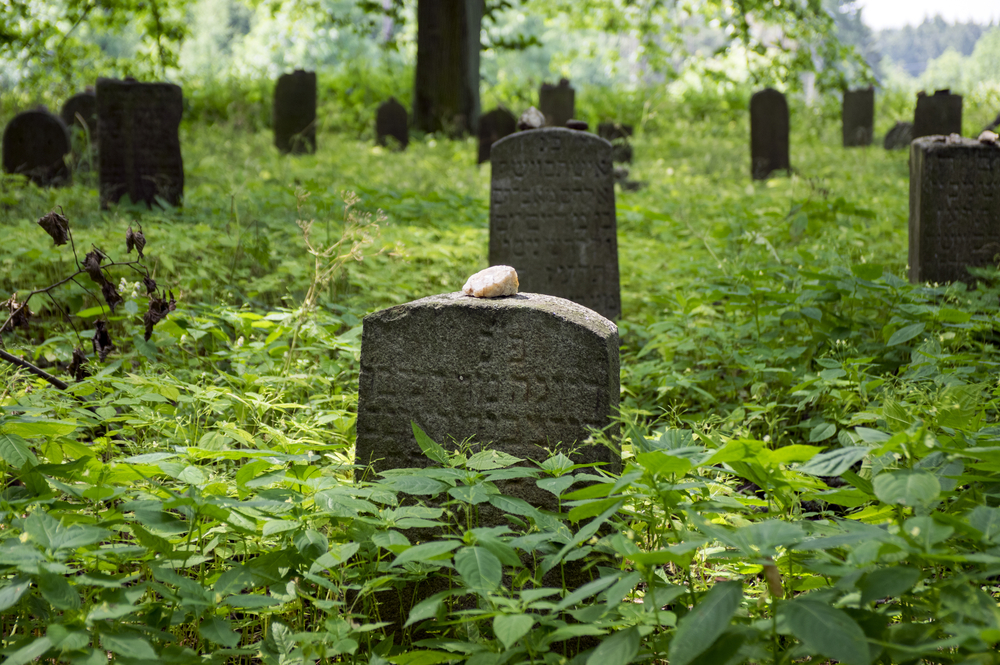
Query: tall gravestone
[[294, 115], [858, 117], [446, 77], [139, 147], [940, 113], [80, 110], [494, 126], [391, 120], [768, 133], [618, 135], [954, 208], [557, 103], [552, 215], [35, 144], [899, 136]]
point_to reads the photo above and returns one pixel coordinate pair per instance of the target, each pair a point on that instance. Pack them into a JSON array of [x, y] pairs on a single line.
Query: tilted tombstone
[[858, 117], [35, 144], [954, 208], [899, 136], [940, 113], [139, 147], [557, 103], [768, 133], [552, 215], [391, 120], [294, 115], [618, 135], [494, 126], [80, 110]]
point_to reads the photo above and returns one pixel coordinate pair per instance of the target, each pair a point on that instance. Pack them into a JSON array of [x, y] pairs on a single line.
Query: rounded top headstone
[[80, 108], [34, 144]]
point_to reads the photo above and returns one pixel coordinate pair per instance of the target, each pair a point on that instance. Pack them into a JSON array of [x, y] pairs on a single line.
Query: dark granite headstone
[[858, 117], [35, 144], [618, 135], [954, 208], [993, 125], [139, 147], [391, 120], [768, 133], [940, 113], [552, 215], [557, 103], [294, 115], [493, 126], [899, 136], [81, 110]]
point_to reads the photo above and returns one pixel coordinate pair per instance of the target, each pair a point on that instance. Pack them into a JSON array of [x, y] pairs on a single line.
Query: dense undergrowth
[[810, 442]]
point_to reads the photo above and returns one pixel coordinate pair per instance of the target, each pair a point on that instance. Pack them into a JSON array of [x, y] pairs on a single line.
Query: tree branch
[[14, 360]]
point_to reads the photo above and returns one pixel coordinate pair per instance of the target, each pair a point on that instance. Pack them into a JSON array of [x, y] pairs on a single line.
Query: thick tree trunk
[[446, 92]]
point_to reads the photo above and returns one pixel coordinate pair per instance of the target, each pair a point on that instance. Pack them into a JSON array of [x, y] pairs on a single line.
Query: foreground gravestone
[[552, 215], [294, 115], [35, 144], [494, 126], [768, 133], [618, 135], [858, 117], [557, 103], [391, 120], [940, 113], [954, 208], [80, 110], [139, 147], [899, 136]]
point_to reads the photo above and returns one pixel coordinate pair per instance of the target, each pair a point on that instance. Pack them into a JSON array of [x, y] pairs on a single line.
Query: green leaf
[[58, 591], [833, 462], [219, 631], [426, 551], [509, 628], [822, 432], [429, 607], [905, 334], [887, 582], [486, 460], [513, 505], [660, 463], [12, 593], [480, 569], [474, 494], [31, 428], [128, 646], [556, 485], [418, 485], [15, 451], [907, 487], [867, 271], [699, 629], [431, 449], [424, 658], [29, 652], [619, 649], [827, 631]]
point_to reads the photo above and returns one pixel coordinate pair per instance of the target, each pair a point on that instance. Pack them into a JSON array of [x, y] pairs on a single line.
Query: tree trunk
[[446, 91]]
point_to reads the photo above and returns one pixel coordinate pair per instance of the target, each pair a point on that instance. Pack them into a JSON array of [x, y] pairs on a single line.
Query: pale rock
[[492, 283], [988, 137], [531, 119]]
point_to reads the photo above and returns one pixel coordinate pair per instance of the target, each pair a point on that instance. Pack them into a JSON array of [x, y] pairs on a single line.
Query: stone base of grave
[[954, 208]]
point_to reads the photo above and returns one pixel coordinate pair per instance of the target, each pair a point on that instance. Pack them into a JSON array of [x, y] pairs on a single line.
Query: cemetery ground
[[810, 442]]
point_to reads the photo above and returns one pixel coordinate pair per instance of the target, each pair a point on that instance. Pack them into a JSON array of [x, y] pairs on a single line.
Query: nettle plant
[[96, 272]]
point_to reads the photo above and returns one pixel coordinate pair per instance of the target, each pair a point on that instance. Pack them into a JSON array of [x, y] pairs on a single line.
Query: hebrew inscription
[[552, 216]]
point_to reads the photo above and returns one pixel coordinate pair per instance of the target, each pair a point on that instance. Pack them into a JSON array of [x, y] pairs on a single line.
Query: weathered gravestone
[[940, 113], [139, 148], [80, 110], [552, 215], [618, 135], [294, 115], [858, 117], [768, 133], [557, 103], [494, 126], [391, 120], [899, 136], [954, 208], [35, 144]]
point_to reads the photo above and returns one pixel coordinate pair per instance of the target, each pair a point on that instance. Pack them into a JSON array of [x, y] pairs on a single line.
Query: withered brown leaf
[[111, 295], [134, 239], [56, 226], [159, 307], [92, 264], [102, 340], [19, 314], [76, 368], [150, 285]]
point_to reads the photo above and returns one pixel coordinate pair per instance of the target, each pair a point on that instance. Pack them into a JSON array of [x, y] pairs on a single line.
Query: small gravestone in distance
[[858, 117], [557, 103], [80, 110], [993, 125], [954, 208], [35, 144], [768, 133], [940, 113], [294, 114], [899, 136], [618, 135], [139, 149], [391, 120], [494, 126], [552, 215]]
